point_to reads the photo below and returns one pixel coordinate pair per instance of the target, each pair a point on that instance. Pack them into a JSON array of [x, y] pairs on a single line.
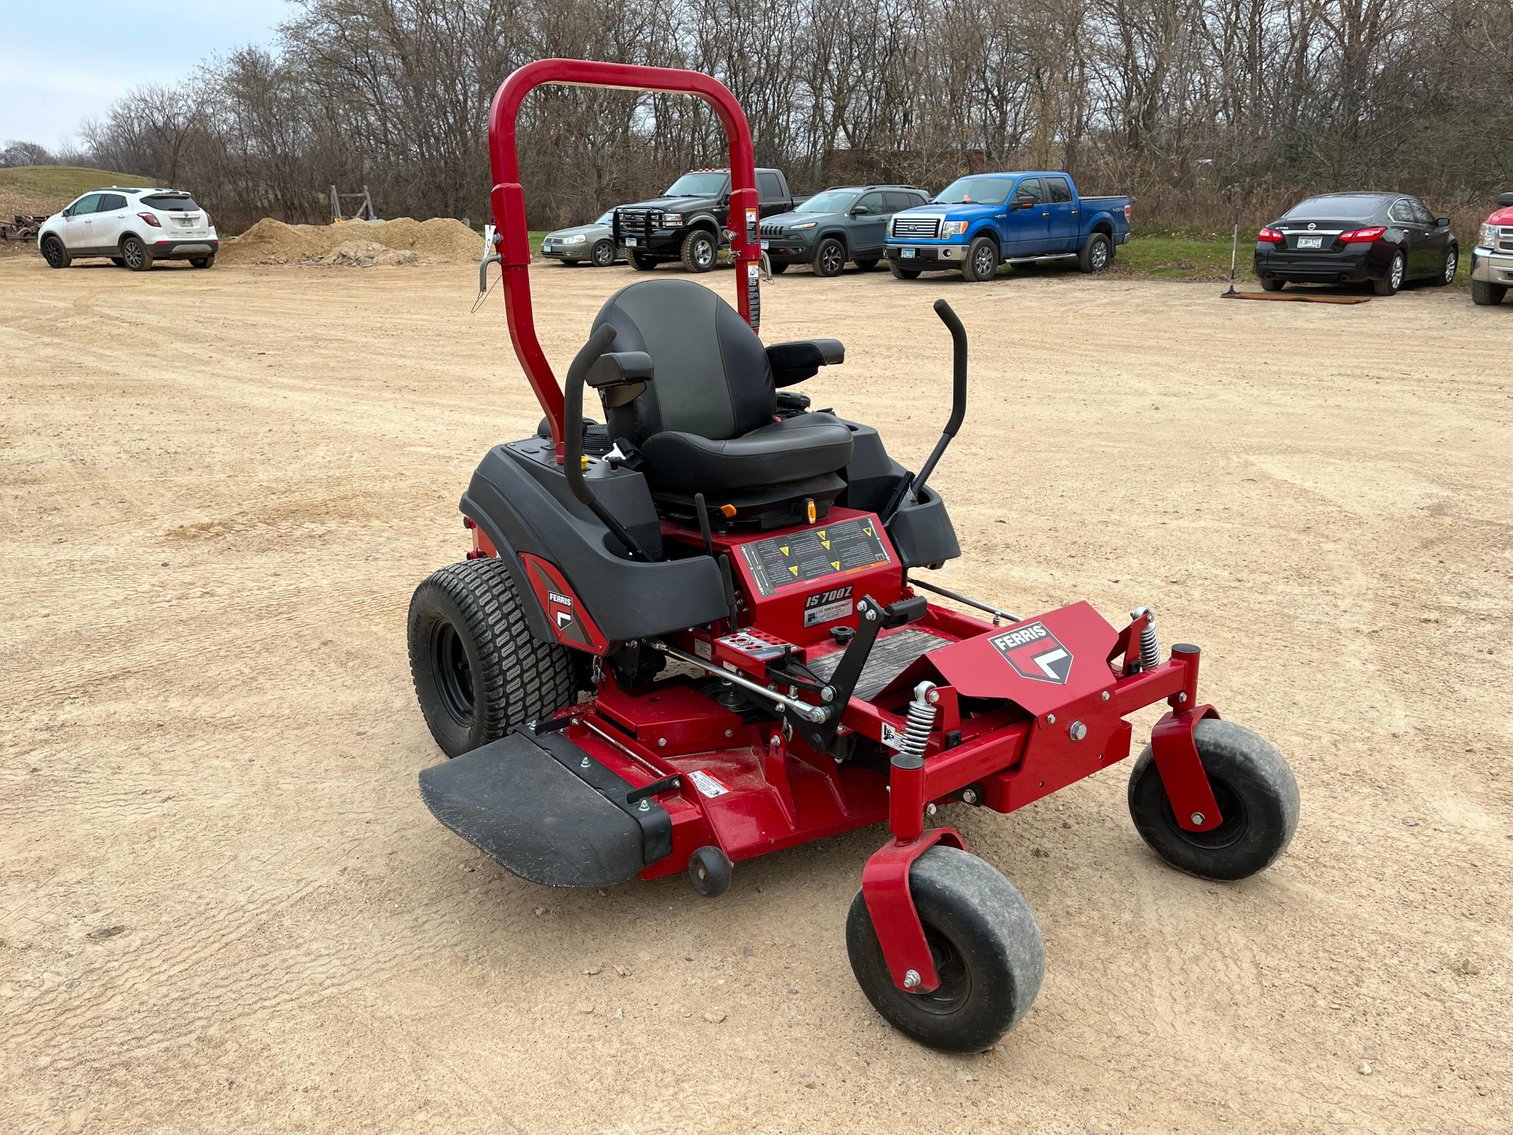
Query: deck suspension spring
[[918, 723], [1150, 643]]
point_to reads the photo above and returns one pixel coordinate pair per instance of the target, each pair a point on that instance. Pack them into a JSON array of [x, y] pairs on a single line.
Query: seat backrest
[[711, 376]]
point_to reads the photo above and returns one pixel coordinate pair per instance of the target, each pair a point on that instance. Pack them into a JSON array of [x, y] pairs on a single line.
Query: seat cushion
[[795, 449]]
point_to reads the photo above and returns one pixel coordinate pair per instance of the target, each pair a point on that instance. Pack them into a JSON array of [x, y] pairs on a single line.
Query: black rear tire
[[1271, 285], [902, 273], [1256, 793], [603, 253], [1392, 282], [981, 264], [986, 946], [829, 257], [202, 261], [478, 670], [1097, 254], [700, 251], [118, 262], [55, 253], [135, 253], [866, 264], [643, 261], [776, 269], [1484, 293]]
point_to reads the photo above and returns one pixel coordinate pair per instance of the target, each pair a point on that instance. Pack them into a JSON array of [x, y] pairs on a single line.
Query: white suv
[[133, 227]]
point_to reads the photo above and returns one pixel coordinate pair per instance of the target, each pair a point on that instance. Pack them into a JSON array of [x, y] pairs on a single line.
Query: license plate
[[547, 246], [906, 253], [185, 221], [764, 246], [1310, 242], [630, 242]]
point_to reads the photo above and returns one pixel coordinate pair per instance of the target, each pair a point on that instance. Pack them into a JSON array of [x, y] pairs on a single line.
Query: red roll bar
[[512, 239]]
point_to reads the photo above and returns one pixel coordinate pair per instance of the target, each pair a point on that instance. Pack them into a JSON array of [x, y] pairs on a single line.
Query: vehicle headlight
[[576, 238], [953, 228], [1488, 236], [672, 220], [802, 227]]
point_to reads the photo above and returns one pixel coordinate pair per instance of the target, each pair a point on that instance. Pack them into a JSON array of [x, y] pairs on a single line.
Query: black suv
[[848, 222]]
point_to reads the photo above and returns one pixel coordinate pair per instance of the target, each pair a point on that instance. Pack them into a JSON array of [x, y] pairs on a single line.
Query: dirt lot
[[223, 905]]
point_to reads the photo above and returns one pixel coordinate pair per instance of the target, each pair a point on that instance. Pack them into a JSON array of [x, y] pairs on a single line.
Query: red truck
[[1492, 258]]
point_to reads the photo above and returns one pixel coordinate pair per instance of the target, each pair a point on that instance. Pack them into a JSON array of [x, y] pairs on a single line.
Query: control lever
[[916, 481]]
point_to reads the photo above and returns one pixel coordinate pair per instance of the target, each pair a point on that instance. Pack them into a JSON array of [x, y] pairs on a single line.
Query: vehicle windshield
[[171, 203], [698, 185], [830, 201], [1337, 207], [607, 219], [975, 191]]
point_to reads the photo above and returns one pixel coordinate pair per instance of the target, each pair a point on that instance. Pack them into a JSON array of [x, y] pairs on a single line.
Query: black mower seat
[[707, 422]]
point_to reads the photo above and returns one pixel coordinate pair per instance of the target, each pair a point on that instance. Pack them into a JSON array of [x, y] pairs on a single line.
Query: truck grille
[[916, 228], [636, 222], [1502, 239]]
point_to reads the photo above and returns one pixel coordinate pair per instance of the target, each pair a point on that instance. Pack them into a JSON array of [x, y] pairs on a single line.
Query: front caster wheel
[[1256, 793], [709, 872], [986, 946]]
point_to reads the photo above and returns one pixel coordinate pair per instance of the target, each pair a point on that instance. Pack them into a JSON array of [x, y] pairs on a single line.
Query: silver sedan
[[593, 244]]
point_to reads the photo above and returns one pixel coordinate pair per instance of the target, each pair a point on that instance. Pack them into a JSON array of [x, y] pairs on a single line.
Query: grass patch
[[46, 189]]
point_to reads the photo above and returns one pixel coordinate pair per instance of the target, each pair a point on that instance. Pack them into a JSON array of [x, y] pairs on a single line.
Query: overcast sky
[[62, 65]]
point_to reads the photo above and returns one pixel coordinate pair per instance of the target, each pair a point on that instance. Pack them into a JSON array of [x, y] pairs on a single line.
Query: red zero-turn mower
[[694, 635]]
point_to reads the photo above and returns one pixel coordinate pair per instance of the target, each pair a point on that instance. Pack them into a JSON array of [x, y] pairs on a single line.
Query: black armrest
[[793, 362], [619, 376]]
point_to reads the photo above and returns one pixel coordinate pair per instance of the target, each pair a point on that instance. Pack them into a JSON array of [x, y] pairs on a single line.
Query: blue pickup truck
[[986, 219]]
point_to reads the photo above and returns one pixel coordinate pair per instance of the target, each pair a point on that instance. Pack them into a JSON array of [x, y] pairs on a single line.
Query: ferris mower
[[697, 634]]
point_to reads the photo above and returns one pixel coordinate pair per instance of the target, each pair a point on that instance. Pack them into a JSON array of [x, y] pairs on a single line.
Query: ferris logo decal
[[1035, 653], [558, 601]]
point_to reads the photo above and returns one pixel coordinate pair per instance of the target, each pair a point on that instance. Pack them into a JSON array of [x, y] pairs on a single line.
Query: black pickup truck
[[687, 222]]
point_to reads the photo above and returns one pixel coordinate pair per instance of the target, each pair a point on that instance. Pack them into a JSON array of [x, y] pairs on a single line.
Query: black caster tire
[[987, 948], [1270, 285], [135, 253], [709, 872], [55, 253], [1392, 282], [981, 264], [1097, 254], [829, 257], [1256, 793], [901, 273], [700, 251], [603, 253], [478, 670]]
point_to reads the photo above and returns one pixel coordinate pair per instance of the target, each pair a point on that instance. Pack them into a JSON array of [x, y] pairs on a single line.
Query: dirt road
[[224, 907]]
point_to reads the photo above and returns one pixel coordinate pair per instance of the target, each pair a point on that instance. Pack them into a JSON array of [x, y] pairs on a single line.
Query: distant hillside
[[46, 189]]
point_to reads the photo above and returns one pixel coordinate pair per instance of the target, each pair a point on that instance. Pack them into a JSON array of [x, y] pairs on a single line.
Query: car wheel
[[867, 264], [1446, 275], [1389, 284], [902, 273], [604, 253], [1484, 293], [1268, 284], [54, 253], [982, 261], [699, 251], [202, 261], [1096, 254], [829, 257], [643, 261], [135, 253]]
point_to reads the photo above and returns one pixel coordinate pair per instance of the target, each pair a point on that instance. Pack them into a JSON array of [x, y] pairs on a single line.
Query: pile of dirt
[[439, 240]]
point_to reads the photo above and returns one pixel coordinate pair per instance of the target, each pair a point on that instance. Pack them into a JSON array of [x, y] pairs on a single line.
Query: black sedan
[[1350, 238]]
